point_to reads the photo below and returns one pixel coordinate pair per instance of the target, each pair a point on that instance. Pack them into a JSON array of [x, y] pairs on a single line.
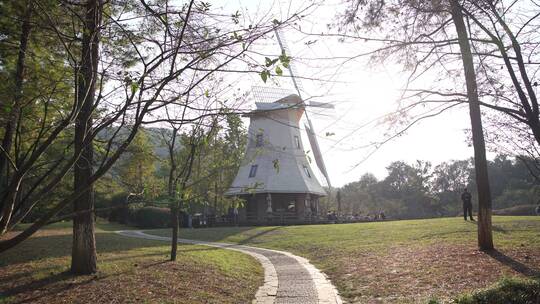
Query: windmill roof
[[287, 102]]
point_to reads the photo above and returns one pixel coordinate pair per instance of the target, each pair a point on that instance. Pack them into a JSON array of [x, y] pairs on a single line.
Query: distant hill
[[155, 135], [156, 138]]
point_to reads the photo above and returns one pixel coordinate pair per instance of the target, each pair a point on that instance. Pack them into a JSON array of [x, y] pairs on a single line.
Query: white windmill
[[275, 178]]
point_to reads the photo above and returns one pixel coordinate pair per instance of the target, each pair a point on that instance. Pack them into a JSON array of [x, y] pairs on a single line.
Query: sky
[[361, 94]]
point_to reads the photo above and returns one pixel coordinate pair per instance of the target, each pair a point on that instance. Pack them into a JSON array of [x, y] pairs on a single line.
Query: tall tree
[[485, 234], [83, 256]]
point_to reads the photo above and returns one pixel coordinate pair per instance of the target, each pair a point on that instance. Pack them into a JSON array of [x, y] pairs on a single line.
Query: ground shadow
[[38, 284], [514, 264], [218, 234], [56, 246], [213, 234], [48, 283], [259, 234], [191, 249], [494, 227], [499, 229], [186, 247]]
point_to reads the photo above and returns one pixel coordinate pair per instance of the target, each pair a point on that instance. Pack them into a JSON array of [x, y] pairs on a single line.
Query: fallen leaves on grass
[[131, 271], [411, 274]]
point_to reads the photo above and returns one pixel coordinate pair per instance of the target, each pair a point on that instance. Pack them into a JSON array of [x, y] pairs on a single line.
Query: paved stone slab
[[288, 279]]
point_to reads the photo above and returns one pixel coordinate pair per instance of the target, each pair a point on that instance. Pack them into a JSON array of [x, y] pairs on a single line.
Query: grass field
[[130, 271], [401, 261]]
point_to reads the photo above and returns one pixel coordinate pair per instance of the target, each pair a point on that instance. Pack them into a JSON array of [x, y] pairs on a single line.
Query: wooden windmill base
[[286, 209]]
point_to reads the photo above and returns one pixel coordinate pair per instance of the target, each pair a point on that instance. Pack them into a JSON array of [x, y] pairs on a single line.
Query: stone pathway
[[287, 278]]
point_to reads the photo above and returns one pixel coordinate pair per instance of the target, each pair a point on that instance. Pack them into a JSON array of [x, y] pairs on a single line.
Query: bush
[[507, 291], [116, 200], [122, 212], [153, 217], [515, 197], [517, 210]]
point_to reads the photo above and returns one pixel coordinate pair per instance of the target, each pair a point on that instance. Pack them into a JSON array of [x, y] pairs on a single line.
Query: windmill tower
[[276, 179]]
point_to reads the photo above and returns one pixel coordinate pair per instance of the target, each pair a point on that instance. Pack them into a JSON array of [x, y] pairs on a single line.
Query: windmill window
[[297, 142], [259, 141], [307, 171], [253, 171]]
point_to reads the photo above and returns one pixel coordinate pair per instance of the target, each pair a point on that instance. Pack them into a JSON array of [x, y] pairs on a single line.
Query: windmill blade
[[285, 49], [317, 153], [309, 127], [317, 104], [292, 71]]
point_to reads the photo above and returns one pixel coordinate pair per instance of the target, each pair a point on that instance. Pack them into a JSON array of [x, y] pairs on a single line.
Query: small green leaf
[[270, 62], [279, 71], [237, 37], [134, 87], [284, 59], [207, 94], [264, 75]]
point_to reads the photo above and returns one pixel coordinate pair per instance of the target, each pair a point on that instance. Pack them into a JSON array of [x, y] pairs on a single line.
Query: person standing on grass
[[466, 197]]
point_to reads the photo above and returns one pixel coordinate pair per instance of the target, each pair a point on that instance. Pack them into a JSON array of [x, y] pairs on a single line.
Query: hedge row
[[517, 210], [142, 216]]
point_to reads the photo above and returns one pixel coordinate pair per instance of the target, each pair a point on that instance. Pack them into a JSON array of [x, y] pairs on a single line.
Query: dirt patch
[[416, 274]]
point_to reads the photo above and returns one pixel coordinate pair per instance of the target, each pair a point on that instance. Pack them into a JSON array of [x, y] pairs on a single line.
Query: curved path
[[287, 278]]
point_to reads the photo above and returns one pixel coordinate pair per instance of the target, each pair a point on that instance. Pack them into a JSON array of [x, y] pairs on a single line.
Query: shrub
[[153, 217], [116, 200], [126, 214], [517, 210], [506, 291]]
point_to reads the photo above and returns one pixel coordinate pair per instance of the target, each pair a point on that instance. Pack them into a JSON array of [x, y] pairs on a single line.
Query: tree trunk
[[83, 257], [174, 243], [216, 195], [338, 198], [178, 205], [485, 238], [172, 183]]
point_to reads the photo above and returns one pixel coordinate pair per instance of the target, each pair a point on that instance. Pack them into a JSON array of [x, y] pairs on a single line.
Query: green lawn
[[130, 270], [399, 261]]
